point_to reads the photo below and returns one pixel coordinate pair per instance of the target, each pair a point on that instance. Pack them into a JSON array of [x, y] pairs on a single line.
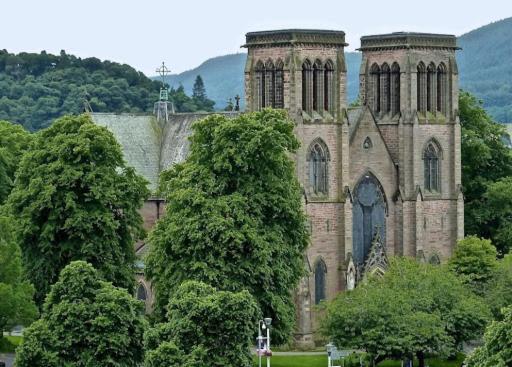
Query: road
[[8, 359]]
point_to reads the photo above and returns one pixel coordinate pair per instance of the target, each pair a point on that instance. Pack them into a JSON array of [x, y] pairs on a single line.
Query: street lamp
[[330, 348], [264, 342]]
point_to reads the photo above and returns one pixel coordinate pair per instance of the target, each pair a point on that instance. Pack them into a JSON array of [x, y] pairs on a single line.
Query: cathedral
[[380, 178]]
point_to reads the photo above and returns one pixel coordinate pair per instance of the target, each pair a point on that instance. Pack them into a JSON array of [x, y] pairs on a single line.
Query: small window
[[320, 275], [141, 293]]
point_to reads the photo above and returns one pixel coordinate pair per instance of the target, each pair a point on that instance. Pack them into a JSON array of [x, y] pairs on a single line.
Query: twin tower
[[382, 178]]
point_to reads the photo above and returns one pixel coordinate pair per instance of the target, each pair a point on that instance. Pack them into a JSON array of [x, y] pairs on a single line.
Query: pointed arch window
[[260, 85], [442, 88], [395, 89], [375, 87], [142, 294], [385, 85], [269, 84], [279, 85], [431, 88], [329, 86], [318, 86], [307, 86], [421, 80], [320, 284], [431, 167], [318, 157]]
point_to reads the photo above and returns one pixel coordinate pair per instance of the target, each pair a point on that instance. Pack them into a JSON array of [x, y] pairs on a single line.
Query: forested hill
[[484, 69], [485, 66], [37, 88]]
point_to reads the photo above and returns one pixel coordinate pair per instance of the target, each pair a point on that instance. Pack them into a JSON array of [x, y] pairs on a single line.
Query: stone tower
[[379, 179]]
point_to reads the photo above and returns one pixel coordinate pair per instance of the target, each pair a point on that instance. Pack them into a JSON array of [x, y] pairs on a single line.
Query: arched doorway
[[368, 217]]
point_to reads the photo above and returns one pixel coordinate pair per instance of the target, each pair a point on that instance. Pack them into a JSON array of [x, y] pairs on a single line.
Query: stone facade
[[391, 166], [382, 177]]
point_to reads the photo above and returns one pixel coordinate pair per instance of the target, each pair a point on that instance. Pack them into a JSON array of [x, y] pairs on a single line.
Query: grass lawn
[[321, 361], [9, 343]]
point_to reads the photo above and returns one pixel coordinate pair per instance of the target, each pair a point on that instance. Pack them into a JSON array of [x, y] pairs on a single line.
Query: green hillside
[[484, 68]]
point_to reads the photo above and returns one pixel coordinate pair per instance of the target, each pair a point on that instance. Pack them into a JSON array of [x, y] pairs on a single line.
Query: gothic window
[[307, 86], [329, 86], [320, 273], [421, 87], [442, 88], [367, 144], [431, 167], [269, 84], [318, 158], [260, 85], [368, 217], [279, 85], [318, 86], [375, 87], [434, 260], [385, 85], [141, 293], [431, 88], [395, 89]]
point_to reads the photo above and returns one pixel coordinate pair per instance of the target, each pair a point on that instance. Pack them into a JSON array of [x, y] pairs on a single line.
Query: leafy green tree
[[413, 309], [474, 260], [234, 216], [86, 322], [16, 304], [199, 95], [497, 348], [214, 328], [14, 141], [498, 294], [75, 199], [485, 160]]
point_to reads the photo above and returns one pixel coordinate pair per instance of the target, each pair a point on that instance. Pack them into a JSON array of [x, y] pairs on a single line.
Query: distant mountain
[[485, 69]]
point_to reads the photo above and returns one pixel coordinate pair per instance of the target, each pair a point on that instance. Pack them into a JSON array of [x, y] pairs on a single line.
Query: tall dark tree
[[199, 95], [234, 216], [75, 199]]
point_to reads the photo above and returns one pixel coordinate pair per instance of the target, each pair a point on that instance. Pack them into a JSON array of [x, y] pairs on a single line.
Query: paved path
[[8, 359]]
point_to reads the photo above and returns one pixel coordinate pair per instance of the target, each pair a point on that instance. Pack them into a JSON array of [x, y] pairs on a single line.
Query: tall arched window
[[442, 89], [421, 87], [375, 87], [260, 85], [307, 86], [279, 85], [431, 167], [320, 275], [141, 293], [385, 85], [431, 88], [318, 158], [318, 86], [395, 89], [269, 84], [329, 86]]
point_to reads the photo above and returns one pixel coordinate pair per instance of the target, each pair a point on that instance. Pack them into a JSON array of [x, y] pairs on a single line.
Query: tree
[[485, 159], [214, 327], [498, 293], [75, 199], [497, 348], [234, 216], [16, 305], [412, 309], [474, 260], [199, 95], [14, 141], [85, 322]]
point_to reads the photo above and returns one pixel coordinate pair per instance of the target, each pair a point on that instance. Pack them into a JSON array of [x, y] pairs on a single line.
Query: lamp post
[[268, 322], [329, 348]]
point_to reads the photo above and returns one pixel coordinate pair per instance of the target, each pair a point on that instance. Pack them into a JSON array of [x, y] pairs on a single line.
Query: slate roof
[[147, 146]]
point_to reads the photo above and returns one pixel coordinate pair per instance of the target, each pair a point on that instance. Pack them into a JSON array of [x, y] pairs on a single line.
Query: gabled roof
[[148, 146]]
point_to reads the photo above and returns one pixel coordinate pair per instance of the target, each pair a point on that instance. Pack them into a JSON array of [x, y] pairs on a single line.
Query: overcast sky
[[185, 33]]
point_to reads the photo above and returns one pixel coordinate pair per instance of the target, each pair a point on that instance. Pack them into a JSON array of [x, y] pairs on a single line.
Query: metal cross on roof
[[163, 71]]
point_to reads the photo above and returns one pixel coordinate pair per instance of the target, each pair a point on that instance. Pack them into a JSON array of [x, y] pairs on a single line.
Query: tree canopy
[[85, 322], [75, 199], [14, 141], [412, 309], [497, 348], [16, 304], [204, 327], [199, 95], [234, 216], [485, 160], [498, 294]]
